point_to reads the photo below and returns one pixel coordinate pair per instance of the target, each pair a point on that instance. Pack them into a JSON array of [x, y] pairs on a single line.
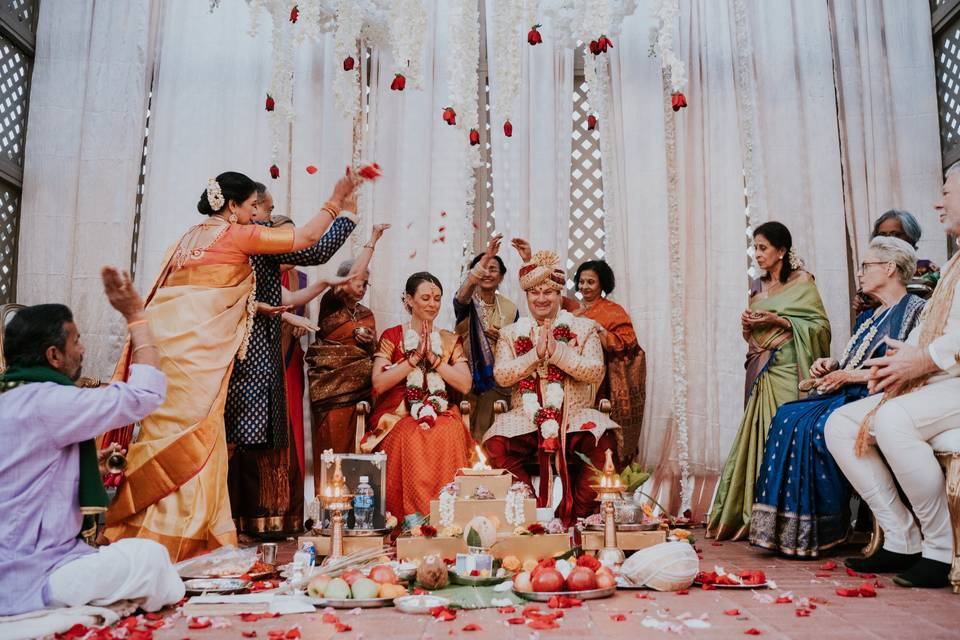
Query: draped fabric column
[[712, 245], [85, 138], [422, 192], [886, 92], [531, 169]]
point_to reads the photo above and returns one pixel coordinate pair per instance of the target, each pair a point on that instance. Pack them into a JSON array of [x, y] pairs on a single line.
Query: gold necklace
[[486, 308]]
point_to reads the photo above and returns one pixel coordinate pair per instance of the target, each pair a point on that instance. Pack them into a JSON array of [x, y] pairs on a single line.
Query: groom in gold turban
[[553, 362]]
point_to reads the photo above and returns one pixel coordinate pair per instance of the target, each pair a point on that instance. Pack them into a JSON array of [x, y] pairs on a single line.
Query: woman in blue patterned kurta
[[266, 490]]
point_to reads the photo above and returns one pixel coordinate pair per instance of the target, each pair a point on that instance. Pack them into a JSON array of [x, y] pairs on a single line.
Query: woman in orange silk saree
[[201, 309], [414, 421]]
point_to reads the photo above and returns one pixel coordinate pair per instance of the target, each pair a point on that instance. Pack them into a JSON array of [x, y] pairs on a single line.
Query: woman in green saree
[[786, 329]]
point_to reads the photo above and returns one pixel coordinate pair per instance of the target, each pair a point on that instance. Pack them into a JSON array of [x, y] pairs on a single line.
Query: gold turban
[[543, 268]]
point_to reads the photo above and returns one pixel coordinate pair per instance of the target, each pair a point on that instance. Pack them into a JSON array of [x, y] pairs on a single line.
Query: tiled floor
[[894, 613]]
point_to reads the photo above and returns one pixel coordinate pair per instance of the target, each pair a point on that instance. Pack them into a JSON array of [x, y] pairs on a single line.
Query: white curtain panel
[[531, 169], [883, 60], [422, 192], [85, 137]]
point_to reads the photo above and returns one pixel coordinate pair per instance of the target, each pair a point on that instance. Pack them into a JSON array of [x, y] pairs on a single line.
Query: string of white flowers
[[677, 288], [505, 63], [572, 22], [434, 403], [448, 502], [408, 24], [346, 84], [513, 510], [281, 77], [664, 13]]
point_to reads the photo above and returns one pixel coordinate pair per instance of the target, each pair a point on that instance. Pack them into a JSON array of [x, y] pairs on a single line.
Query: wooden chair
[[7, 312], [363, 410]]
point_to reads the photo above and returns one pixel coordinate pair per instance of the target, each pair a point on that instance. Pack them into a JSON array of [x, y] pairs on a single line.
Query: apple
[[581, 579], [364, 589], [605, 579], [383, 574], [388, 590], [522, 581], [548, 580], [337, 589], [352, 575], [317, 586]]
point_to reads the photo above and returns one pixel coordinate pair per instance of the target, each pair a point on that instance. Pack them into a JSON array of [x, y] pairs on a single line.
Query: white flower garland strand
[[448, 502], [506, 67], [408, 24], [664, 14], [513, 510], [570, 22], [346, 84], [433, 380], [677, 287]]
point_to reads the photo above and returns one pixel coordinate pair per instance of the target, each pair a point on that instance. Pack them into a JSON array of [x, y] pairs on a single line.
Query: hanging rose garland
[[426, 395], [546, 417]]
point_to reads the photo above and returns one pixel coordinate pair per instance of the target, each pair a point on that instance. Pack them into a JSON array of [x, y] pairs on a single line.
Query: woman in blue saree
[[801, 506]]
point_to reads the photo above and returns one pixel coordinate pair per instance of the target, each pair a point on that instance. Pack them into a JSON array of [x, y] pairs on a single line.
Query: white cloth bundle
[[665, 567]]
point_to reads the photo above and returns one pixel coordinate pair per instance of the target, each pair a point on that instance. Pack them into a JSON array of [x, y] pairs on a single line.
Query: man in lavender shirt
[[42, 560]]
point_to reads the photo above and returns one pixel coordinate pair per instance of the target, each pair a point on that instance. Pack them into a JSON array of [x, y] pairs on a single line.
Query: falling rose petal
[[752, 631], [443, 214], [311, 169], [413, 254], [732, 612], [543, 623], [471, 627], [442, 229], [708, 587], [619, 617], [153, 616], [801, 612], [783, 600], [249, 617]]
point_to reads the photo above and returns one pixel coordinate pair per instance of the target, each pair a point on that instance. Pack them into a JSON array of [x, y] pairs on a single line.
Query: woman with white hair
[[801, 500]]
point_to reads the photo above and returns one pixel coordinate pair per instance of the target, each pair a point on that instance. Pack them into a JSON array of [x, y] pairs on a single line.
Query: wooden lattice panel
[[9, 231], [25, 10], [14, 73], [586, 188], [947, 63]]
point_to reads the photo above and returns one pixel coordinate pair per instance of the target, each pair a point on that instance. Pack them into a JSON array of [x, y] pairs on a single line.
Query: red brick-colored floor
[[895, 612]]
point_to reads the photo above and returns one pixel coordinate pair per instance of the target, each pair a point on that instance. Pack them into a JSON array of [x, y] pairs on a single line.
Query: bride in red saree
[[414, 421]]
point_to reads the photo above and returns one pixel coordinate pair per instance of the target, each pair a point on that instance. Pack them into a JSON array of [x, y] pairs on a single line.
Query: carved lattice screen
[[586, 187], [17, 44]]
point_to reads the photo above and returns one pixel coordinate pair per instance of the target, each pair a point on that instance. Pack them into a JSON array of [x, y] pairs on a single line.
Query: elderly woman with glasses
[[801, 494]]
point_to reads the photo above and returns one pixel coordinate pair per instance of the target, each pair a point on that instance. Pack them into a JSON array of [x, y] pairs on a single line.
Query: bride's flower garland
[[426, 396], [546, 417]]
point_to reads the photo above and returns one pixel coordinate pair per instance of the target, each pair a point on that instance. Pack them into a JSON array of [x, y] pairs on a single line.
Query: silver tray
[[356, 533], [351, 603], [762, 585], [653, 526], [623, 583], [419, 604], [215, 585], [478, 581], [544, 596]]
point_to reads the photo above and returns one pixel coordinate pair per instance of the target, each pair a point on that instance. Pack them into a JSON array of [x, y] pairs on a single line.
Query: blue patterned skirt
[[802, 497]]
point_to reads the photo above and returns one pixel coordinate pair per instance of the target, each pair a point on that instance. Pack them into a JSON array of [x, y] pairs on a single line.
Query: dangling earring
[[233, 218]]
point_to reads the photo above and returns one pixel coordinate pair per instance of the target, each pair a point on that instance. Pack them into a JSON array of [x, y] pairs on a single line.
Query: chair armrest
[[605, 406], [362, 410], [499, 407]]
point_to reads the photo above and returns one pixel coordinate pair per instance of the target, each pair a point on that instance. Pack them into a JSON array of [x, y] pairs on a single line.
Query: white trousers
[[129, 569], [902, 426]]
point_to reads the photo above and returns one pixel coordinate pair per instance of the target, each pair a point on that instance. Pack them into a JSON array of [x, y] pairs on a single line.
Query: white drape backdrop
[[85, 138], [531, 169]]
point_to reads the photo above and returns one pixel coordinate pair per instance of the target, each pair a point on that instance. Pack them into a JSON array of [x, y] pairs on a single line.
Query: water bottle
[[363, 505]]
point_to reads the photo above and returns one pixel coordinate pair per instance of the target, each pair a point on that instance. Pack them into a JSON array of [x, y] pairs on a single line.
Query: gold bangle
[[143, 346], [333, 214], [137, 322], [368, 246]]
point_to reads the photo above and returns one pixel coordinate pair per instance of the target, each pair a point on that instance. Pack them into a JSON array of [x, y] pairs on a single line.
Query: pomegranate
[[605, 579], [581, 579], [548, 579]]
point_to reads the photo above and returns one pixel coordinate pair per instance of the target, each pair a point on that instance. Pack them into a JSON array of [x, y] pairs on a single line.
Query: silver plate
[[351, 603], [653, 526], [544, 596], [215, 585], [356, 533], [419, 604], [477, 581]]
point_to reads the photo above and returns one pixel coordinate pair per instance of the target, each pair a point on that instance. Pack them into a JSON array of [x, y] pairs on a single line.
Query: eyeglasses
[[864, 265]]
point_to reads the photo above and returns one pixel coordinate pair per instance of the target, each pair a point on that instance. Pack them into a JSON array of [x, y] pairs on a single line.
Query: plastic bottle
[[363, 505]]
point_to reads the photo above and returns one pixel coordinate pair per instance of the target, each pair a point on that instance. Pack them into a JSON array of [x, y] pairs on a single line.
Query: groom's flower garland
[[426, 396], [546, 417]]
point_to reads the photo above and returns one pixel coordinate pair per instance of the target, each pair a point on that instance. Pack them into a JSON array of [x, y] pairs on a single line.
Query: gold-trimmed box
[[626, 540], [537, 547], [351, 544], [416, 548], [498, 482]]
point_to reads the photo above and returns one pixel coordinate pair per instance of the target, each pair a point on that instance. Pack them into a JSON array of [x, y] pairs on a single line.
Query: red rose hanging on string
[[534, 37], [678, 101], [269, 104], [274, 171], [605, 43], [450, 116], [294, 14], [399, 82], [591, 122], [474, 137], [348, 63], [508, 129]]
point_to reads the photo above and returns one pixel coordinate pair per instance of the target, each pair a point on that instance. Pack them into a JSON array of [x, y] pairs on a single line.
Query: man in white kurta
[[553, 361], [902, 426]]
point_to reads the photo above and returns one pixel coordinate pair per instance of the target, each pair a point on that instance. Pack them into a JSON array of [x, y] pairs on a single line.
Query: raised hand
[[344, 188], [377, 232], [123, 297], [523, 248], [493, 247]]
